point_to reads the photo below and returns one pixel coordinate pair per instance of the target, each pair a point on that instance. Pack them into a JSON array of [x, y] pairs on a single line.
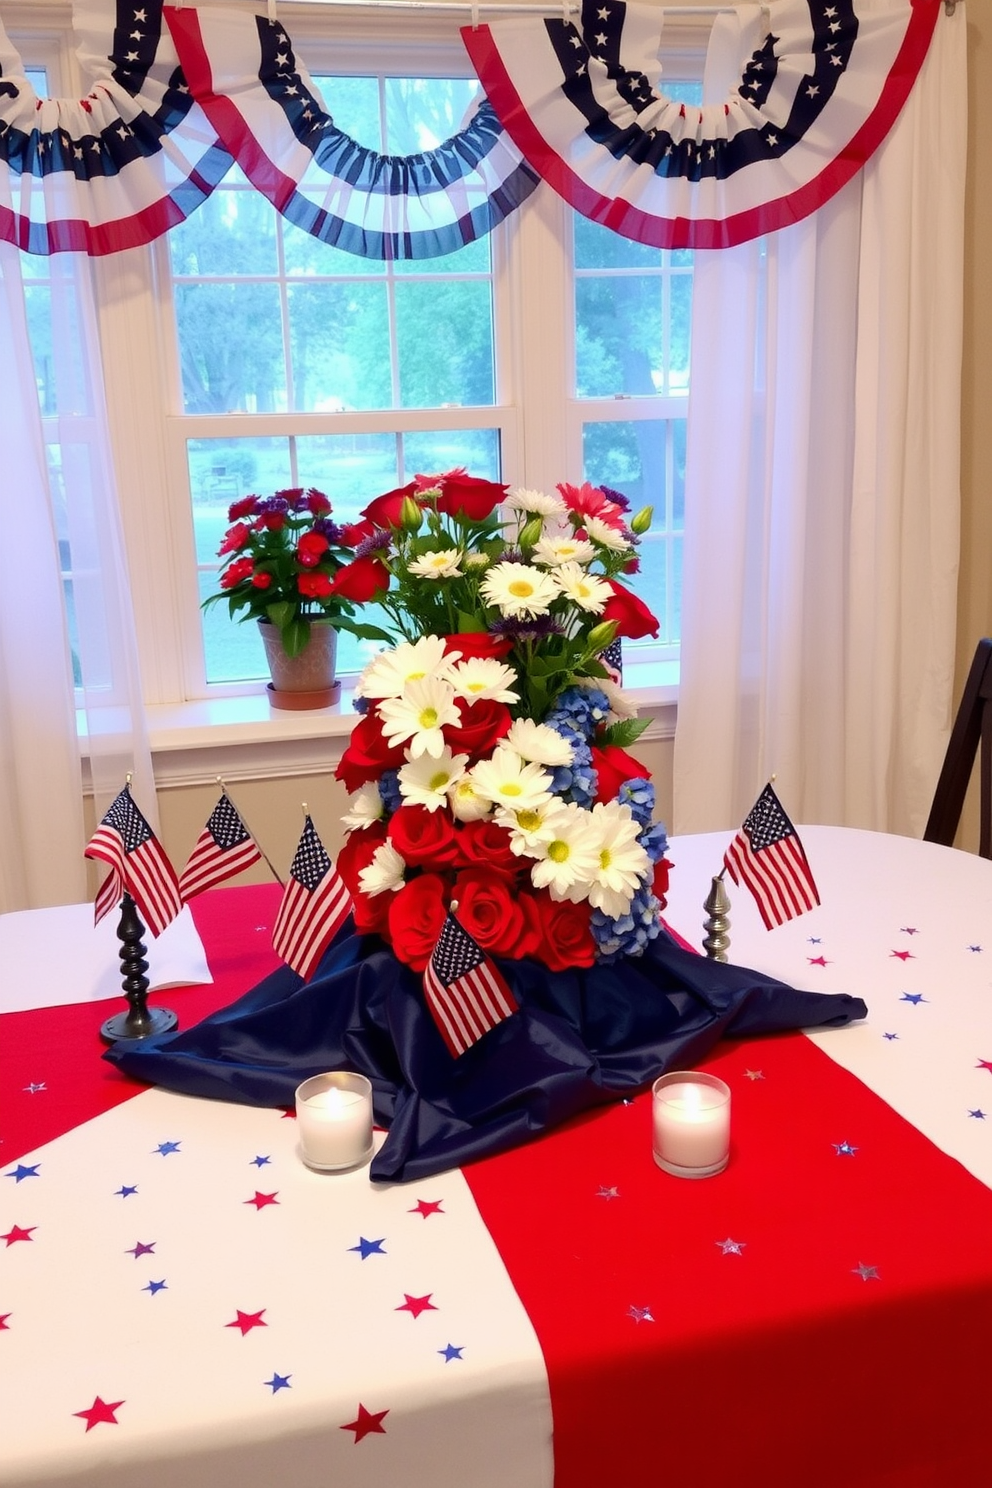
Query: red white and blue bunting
[[118, 167], [263, 104], [820, 84]]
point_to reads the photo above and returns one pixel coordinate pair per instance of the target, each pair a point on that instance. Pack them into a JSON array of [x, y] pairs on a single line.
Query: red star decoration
[[417, 1305], [985, 1064], [817, 960], [903, 955], [3, 1321], [365, 1423], [13, 1235], [427, 1207], [247, 1320], [289, 1115], [101, 1411], [261, 1201]]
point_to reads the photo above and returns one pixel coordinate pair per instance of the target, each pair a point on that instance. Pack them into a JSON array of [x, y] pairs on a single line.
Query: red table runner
[[817, 1315]]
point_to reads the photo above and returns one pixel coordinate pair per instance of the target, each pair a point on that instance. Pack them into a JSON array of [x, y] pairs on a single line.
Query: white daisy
[[622, 863], [518, 589], [428, 781], [539, 743], [555, 550], [364, 807], [584, 589], [568, 862], [388, 673], [419, 716], [483, 677], [443, 564], [466, 803], [532, 827], [534, 503], [607, 536], [385, 871], [507, 780]]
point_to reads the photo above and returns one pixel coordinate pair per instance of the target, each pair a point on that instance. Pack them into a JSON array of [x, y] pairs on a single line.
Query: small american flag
[[315, 905], [223, 848], [138, 866], [464, 990], [612, 659], [767, 856]]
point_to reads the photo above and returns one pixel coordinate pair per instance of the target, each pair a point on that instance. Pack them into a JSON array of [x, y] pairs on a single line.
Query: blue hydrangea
[[389, 790], [630, 933], [638, 794], [361, 704], [581, 710], [576, 782], [654, 842]]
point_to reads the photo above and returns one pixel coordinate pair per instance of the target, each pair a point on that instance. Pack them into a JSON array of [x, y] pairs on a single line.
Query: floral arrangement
[[489, 770], [287, 562]]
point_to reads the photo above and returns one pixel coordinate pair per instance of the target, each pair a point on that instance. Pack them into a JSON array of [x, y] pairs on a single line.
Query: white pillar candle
[[691, 1119], [334, 1120]]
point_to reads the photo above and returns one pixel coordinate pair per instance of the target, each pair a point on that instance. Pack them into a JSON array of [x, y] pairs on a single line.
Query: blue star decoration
[[165, 1148], [914, 997], [278, 1382], [640, 1314], [890, 1035], [607, 1193], [260, 1162], [974, 948], [368, 1247], [451, 1351], [978, 1115], [155, 1286], [126, 1190], [23, 1171], [814, 940], [867, 1273], [843, 1149], [731, 1247]]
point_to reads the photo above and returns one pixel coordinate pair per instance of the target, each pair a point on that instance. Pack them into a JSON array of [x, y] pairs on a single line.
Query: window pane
[[433, 452], [474, 258], [618, 336], [351, 469], [308, 255], [598, 247], [421, 113], [230, 348], [353, 102], [444, 336], [232, 233], [233, 650], [339, 335], [221, 470]]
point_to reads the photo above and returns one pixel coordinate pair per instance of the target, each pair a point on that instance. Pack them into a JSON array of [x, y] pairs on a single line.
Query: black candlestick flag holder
[[140, 1021]]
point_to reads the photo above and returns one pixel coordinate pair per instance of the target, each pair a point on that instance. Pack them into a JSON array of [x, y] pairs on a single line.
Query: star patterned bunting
[[101, 1412], [366, 1422]]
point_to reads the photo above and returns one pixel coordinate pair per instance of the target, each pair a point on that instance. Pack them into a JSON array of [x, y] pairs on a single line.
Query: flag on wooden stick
[[315, 905], [223, 848], [767, 856], [138, 866], [464, 989]]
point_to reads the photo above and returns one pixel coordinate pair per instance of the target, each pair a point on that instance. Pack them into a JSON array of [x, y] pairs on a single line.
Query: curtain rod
[[438, 7]]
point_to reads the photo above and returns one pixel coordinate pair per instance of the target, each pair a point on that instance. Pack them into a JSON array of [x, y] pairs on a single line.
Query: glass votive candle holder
[[334, 1120], [691, 1123]]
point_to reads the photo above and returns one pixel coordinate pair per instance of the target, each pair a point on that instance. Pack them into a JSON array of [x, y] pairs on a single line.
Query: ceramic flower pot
[[306, 680]]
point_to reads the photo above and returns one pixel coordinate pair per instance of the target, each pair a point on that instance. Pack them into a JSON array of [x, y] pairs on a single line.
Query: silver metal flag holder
[[717, 922]]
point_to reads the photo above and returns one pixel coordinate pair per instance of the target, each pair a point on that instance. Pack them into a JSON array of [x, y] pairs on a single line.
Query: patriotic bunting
[[464, 990], [767, 856], [138, 866], [263, 104], [314, 907], [224, 847], [819, 86], [120, 166]]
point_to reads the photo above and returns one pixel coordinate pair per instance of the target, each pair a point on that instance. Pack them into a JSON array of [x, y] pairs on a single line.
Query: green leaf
[[295, 636], [469, 624], [281, 615], [624, 732], [365, 632], [594, 668]]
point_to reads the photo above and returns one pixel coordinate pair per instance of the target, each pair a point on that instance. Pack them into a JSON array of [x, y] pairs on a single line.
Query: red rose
[[659, 884], [476, 643], [361, 580], [613, 767], [424, 837], [483, 723], [234, 538], [243, 508], [633, 565], [291, 495], [385, 510], [486, 842], [490, 912], [368, 754], [314, 585], [310, 548], [270, 521], [468, 497], [566, 939], [358, 851], [356, 532], [632, 616], [317, 502], [416, 917], [238, 570], [261, 580]]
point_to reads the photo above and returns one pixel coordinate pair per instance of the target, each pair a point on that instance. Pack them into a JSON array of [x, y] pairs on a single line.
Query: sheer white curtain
[[822, 486], [59, 505]]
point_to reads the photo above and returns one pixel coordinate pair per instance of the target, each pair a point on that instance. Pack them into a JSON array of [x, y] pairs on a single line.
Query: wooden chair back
[[972, 731]]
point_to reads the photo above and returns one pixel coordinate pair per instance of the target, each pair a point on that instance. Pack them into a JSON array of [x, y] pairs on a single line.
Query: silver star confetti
[[867, 1273], [731, 1247]]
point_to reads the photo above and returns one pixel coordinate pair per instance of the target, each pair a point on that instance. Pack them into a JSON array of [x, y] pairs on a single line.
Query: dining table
[[183, 1301]]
